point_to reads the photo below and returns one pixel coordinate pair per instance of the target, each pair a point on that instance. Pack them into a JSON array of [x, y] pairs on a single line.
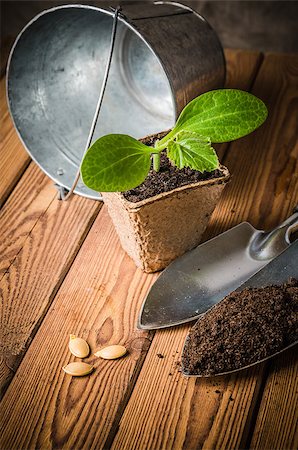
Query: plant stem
[[156, 161], [159, 146]]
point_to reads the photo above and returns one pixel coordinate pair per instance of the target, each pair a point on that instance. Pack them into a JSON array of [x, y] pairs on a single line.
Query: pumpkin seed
[[78, 369], [78, 346], [111, 352]]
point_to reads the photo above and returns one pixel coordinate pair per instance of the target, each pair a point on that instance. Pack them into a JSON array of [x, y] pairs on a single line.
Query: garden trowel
[[199, 279]]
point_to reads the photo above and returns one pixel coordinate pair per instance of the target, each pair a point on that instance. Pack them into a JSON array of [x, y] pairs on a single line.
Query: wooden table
[[63, 271]]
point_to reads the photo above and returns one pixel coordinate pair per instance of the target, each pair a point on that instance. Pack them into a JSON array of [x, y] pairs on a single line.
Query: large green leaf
[[115, 163], [192, 150], [222, 115]]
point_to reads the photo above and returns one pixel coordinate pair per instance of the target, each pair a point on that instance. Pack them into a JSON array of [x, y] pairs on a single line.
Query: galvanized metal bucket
[[164, 55]]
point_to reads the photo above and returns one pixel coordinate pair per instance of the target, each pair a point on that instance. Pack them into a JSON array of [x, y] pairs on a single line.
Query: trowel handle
[[288, 226], [267, 245]]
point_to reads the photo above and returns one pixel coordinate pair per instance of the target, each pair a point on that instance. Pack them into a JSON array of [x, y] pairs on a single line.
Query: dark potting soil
[[242, 329], [167, 179]]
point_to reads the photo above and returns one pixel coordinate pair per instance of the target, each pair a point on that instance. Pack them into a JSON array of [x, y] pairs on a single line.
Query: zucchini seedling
[[118, 162]]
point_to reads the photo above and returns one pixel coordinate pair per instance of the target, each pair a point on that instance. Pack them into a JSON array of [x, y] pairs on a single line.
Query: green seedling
[[117, 162]]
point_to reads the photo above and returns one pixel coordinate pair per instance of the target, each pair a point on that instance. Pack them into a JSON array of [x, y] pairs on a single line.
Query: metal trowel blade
[[199, 279]]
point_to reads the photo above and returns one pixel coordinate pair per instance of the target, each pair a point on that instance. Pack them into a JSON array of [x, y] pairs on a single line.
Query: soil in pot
[[244, 328], [168, 178]]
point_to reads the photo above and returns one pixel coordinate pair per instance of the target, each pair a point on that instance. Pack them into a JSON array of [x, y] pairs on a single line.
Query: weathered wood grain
[[181, 412], [276, 425], [242, 68], [169, 411], [13, 157], [30, 198], [36, 264], [99, 299], [5, 123]]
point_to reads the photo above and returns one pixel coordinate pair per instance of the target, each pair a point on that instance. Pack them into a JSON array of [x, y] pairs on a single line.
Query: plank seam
[[28, 235], [16, 180], [121, 408], [246, 443]]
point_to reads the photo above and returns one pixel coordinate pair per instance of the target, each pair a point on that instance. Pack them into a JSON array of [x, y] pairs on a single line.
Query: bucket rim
[[56, 180]]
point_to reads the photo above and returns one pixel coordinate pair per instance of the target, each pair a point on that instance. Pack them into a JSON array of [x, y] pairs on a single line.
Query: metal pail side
[[57, 65]]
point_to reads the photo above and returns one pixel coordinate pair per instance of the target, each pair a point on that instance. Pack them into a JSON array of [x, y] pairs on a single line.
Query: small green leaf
[[115, 163], [192, 150], [223, 115]]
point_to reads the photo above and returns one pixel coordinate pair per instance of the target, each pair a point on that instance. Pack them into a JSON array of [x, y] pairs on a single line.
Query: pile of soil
[[167, 179], [242, 329]]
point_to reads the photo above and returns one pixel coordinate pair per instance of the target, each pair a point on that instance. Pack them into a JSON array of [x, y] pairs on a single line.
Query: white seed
[[78, 346], [78, 369], [111, 352]]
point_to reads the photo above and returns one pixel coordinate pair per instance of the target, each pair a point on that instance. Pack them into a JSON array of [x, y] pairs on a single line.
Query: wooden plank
[[31, 197], [242, 68], [51, 233], [99, 299], [169, 411], [5, 123], [276, 425], [13, 157]]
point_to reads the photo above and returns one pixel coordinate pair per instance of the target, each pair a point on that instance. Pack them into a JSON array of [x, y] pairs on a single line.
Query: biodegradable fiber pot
[[157, 230]]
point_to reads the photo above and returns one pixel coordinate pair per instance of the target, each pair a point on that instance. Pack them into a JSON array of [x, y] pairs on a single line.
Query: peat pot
[[157, 230]]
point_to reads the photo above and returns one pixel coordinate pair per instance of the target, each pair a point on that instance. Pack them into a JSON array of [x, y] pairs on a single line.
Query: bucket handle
[[63, 194]]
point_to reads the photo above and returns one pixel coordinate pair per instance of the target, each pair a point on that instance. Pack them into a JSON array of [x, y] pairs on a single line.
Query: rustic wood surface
[[276, 425], [14, 158], [62, 271]]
